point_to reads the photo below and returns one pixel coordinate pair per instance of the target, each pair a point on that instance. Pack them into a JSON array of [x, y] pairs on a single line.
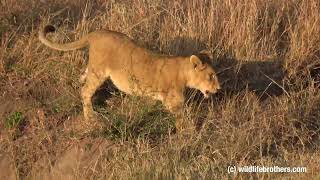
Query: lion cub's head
[[202, 77]]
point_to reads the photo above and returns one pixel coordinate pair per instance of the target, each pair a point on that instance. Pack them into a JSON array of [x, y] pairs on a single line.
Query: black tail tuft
[[49, 29]]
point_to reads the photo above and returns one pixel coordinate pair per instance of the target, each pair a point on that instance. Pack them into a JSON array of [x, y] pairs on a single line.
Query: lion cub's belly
[[134, 86]]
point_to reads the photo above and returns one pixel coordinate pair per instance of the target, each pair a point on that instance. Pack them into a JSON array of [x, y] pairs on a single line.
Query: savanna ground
[[267, 54]]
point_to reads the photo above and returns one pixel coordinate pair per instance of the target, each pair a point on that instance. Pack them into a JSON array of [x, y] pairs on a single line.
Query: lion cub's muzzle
[[208, 93]]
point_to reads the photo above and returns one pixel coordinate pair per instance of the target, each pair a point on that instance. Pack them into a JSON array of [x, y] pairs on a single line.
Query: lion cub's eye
[[212, 77]]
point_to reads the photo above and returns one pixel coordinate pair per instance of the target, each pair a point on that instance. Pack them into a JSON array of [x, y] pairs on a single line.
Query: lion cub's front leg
[[174, 103]]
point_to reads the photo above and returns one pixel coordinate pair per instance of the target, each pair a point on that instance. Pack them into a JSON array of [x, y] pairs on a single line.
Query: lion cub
[[136, 70]]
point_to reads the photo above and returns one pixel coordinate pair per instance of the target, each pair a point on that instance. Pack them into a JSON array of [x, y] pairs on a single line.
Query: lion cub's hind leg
[[92, 83], [83, 76]]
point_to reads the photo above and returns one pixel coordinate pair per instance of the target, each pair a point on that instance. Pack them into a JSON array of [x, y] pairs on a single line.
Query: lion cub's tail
[[62, 47]]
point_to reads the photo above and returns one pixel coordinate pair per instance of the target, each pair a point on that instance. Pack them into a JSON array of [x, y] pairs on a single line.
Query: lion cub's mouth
[[208, 93]]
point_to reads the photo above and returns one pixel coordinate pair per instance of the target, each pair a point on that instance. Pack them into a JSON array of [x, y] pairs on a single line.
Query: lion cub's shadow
[[130, 117], [263, 78]]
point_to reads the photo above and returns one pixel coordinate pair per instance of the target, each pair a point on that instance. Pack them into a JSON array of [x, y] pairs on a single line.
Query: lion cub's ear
[[196, 62], [207, 53]]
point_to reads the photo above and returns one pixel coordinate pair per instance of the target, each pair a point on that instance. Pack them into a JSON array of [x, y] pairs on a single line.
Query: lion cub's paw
[[183, 127]]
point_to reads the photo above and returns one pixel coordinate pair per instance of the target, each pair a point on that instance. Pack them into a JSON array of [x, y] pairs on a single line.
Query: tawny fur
[[136, 70]]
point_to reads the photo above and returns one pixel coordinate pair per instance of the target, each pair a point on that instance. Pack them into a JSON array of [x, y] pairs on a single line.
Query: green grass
[[149, 121], [14, 120]]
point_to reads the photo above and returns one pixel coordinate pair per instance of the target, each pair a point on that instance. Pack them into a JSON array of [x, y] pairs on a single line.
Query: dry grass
[[268, 56]]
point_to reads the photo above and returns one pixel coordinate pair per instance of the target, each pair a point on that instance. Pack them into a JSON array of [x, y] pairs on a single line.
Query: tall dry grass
[[267, 54]]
